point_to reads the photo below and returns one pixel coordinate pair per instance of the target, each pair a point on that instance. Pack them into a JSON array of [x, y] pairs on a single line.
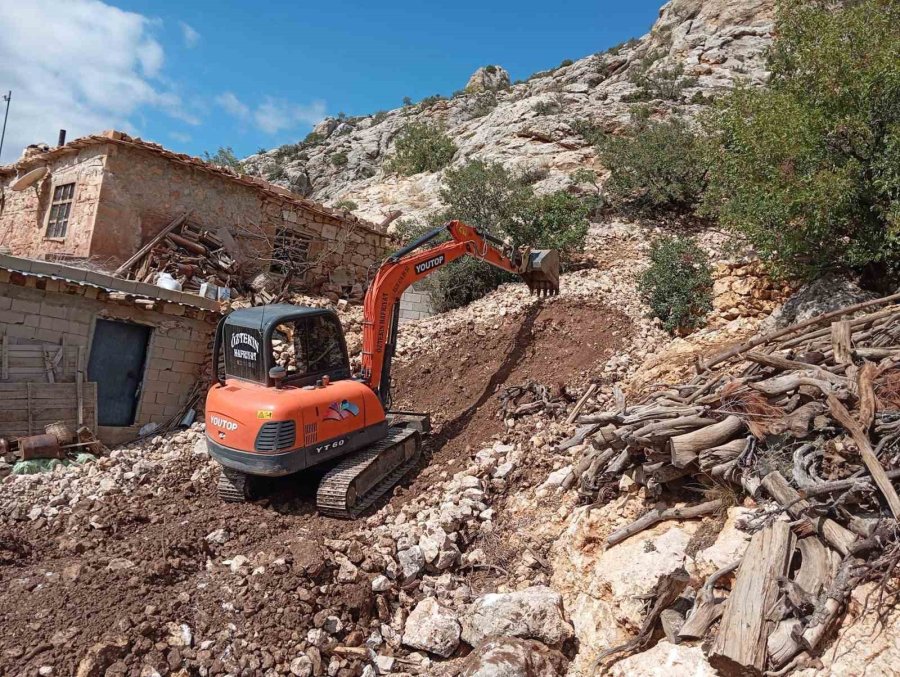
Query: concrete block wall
[[415, 304], [177, 353]]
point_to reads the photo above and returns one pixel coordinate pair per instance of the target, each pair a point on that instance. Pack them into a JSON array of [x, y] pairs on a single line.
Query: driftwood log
[[745, 626], [685, 448]]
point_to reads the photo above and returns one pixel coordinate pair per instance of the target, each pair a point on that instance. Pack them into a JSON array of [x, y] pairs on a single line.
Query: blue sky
[[199, 75]]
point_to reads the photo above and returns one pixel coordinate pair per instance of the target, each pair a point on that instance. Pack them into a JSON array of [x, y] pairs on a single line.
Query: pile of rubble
[[378, 599], [194, 257]]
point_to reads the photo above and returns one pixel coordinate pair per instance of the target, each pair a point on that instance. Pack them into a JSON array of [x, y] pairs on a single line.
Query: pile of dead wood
[[191, 255], [806, 423]]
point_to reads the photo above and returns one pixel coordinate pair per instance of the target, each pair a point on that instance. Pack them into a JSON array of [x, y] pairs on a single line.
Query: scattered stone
[[412, 563], [432, 628], [534, 613], [513, 657]]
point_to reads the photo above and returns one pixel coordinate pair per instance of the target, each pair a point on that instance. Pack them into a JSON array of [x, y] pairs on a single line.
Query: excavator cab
[[541, 272]]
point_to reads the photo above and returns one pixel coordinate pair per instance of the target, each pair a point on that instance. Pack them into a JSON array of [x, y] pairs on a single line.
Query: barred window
[[290, 250], [60, 208]]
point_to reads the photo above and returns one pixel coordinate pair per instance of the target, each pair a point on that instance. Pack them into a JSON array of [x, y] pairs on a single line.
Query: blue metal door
[[118, 353]]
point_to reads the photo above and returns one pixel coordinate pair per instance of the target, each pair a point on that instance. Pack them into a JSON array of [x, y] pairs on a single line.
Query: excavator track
[[234, 486], [357, 482]]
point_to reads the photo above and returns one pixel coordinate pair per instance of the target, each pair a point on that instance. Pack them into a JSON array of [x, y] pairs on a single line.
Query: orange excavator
[[287, 399]]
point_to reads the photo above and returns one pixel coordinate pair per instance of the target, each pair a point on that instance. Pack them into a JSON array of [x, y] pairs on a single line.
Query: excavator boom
[[539, 268]]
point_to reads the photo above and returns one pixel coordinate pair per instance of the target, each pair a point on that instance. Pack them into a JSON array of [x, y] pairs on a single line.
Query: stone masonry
[[126, 190]]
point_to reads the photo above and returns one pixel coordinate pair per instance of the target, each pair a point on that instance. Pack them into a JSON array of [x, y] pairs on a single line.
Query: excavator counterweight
[[288, 401]]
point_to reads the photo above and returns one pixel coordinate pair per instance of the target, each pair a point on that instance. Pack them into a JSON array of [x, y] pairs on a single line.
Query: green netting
[[36, 465]]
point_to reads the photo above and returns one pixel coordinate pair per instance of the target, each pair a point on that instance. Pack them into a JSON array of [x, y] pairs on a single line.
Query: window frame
[[337, 372], [287, 238], [53, 202]]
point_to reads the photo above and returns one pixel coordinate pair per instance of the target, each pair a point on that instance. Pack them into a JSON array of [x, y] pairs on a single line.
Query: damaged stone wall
[[23, 214], [142, 192]]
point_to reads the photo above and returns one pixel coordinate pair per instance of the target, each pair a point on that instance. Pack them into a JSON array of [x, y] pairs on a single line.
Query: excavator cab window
[[310, 348]]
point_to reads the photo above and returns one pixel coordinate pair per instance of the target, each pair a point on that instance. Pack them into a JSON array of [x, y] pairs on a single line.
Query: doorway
[[116, 364]]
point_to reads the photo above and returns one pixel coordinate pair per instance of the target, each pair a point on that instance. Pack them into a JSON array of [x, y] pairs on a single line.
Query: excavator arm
[[381, 313]]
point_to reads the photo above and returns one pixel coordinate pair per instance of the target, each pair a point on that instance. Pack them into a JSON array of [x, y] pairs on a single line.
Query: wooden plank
[[835, 535], [840, 342], [177, 221], [580, 405], [22, 420], [740, 644], [28, 391], [79, 385], [38, 390], [4, 357]]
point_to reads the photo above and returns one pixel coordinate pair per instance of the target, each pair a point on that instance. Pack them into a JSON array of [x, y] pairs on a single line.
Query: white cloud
[[79, 65], [233, 105], [180, 136], [272, 115], [189, 35]]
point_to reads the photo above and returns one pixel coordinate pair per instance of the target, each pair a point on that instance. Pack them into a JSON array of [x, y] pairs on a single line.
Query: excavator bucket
[[542, 272]]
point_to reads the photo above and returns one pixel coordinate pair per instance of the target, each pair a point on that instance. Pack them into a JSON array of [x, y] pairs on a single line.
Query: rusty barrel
[[40, 446]]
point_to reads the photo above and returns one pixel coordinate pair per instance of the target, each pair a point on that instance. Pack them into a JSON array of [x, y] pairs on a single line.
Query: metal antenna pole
[[7, 98]]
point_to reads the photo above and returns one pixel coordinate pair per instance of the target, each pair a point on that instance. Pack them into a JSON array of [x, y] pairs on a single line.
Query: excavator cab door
[[542, 272]]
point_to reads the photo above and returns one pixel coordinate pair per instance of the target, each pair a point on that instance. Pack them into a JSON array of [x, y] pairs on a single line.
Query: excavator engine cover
[[542, 272]]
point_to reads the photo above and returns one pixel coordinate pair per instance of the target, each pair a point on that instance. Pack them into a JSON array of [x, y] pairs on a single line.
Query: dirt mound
[[133, 563], [556, 344]]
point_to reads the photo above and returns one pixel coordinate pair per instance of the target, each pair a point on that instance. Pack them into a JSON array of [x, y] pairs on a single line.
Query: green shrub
[[565, 62], [313, 139], [407, 101], [379, 117], [421, 147], [807, 170], [666, 83], [657, 167], [429, 101], [496, 200], [548, 106], [484, 104], [490, 68], [678, 284], [338, 159], [588, 131], [346, 205], [276, 174]]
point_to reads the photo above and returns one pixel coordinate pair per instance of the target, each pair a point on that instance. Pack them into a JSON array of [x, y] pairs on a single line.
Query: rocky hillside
[[695, 49]]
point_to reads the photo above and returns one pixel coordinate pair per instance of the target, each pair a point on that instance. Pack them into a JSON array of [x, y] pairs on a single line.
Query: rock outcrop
[[531, 124], [488, 79]]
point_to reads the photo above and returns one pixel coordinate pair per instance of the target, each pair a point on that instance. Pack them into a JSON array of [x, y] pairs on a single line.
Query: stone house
[[101, 197], [95, 350]]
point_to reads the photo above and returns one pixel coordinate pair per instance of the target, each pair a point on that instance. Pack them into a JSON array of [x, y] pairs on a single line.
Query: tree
[[224, 157], [501, 202], [655, 167], [808, 170]]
